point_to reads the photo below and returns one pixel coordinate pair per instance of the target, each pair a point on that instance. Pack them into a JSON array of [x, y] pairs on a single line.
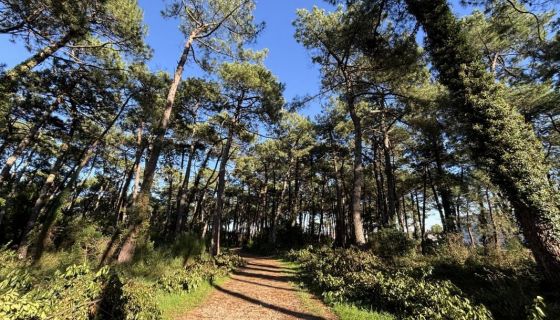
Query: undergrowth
[[454, 282], [69, 285]]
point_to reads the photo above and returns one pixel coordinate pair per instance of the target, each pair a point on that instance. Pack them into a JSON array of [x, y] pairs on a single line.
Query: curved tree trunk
[[39, 57]]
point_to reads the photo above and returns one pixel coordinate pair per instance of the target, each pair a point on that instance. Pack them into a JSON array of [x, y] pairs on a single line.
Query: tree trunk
[[415, 216], [217, 218], [39, 57], [192, 191], [492, 222], [274, 231], [358, 179], [389, 174], [340, 227], [182, 195], [503, 144], [40, 202], [423, 218], [134, 172], [195, 188], [441, 182], [141, 208]]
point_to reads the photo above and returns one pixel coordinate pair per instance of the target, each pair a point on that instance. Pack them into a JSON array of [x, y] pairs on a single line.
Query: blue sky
[[288, 60]]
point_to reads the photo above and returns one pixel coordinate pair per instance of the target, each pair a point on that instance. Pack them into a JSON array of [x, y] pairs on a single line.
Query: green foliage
[[203, 270], [357, 276], [536, 310], [71, 294], [390, 242], [79, 292], [139, 302]]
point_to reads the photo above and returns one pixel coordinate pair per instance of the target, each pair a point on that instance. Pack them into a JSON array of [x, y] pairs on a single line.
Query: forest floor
[[263, 289]]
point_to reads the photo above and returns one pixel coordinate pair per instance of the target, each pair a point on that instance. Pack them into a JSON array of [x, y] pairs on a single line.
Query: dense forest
[[427, 187]]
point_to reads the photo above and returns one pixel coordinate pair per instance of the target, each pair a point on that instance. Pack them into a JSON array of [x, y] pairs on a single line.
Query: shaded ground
[[261, 290]]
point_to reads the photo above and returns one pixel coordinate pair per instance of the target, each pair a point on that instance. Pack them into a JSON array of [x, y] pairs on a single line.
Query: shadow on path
[[281, 278], [296, 314], [264, 285]]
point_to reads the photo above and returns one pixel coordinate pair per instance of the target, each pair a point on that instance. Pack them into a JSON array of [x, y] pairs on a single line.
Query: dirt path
[[259, 291]]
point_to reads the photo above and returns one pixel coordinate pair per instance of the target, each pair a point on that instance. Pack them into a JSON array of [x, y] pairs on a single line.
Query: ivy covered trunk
[[500, 140]]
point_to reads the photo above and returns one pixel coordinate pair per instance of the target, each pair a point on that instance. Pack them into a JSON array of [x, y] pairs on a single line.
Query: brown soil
[[260, 291]]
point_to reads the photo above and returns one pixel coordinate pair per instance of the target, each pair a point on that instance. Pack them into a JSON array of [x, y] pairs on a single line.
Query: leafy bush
[[390, 242], [71, 294], [80, 292], [191, 277], [360, 277]]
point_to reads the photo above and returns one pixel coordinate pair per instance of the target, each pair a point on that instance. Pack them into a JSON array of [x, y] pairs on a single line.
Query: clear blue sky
[[287, 59]]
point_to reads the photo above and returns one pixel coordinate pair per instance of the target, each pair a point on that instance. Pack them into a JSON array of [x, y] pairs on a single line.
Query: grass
[[350, 312], [174, 304]]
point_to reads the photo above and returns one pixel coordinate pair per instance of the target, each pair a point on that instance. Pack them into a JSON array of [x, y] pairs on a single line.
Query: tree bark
[[278, 212], [182, 195], [217, 218], [134, 172], [358, 180]]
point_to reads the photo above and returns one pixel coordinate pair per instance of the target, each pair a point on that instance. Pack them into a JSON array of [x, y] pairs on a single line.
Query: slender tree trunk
[[340, 225], [135, 171], [440, 181], [295, 208], [274, 231], [358, 180], [41, 201], [423, 218], [469, 226], [492, 222], [405, 217], [202, 190], [217, 218], [141, 209], [182, 195], [192, 191], [438, 204], [381, 202], [389, 174], [415, 217]]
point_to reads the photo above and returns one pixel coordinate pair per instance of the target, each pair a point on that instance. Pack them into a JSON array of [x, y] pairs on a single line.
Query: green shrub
[[72, 294], [360, 277], [139, 302], [192, 276], [80, 292], [390, 242]]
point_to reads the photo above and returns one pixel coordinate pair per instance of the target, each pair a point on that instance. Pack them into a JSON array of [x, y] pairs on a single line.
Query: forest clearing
[[265, 159]]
